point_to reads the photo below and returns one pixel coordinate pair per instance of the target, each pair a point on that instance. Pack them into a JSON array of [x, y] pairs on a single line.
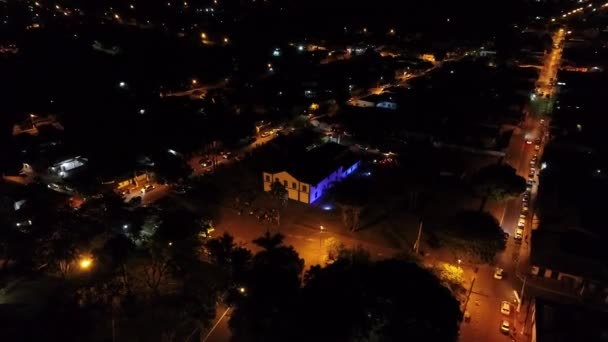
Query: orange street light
[[203, 35], [85, 263]]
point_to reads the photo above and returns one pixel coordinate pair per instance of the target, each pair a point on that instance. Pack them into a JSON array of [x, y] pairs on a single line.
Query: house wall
[[318, 190], [387, 105], [304, 192], [361, 103], [296, 190]]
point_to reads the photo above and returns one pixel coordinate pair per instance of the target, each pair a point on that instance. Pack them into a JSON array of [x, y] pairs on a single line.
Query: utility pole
[[417, 243], [469, 294], [521, 297]]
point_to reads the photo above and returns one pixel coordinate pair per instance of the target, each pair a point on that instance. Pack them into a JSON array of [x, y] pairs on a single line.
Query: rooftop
[[569, 322], [313, 166], [573, 252]]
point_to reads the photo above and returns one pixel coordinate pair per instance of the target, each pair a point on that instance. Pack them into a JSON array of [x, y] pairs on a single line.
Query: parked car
[[519, 233], [498, 273], [180, 190], [205, 162], [147, 188], [227, 155], [505, 308], [504, 327], [135, 201]]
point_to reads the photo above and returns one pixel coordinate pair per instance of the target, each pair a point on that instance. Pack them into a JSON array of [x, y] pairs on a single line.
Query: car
[[180, 190], [135, 201], [531, 175], [519, 233], [227, 155], [532, 169], [147, 188], [467, 314], [536, 147], [505, 308], [542, 121], [528, 142], [498, 273], [504, 327], [265, 134], [205, 162]]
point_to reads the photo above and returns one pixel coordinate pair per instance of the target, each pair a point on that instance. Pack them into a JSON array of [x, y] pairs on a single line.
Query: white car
[[505, 308], [498, 273], [504, 327], [519, 233]]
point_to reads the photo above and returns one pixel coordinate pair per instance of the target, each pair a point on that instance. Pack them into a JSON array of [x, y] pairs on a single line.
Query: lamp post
[[321, 228], [85, 263]]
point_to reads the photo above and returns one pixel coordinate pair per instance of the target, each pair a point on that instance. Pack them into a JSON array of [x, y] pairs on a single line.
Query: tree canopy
[[475, 235], [497, 182], [352, 299], [351, 195]]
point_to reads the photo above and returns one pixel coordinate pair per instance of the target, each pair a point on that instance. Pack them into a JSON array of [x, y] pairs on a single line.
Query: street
[[488, 293]]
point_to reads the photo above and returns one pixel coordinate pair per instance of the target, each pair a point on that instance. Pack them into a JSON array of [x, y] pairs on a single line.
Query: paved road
[[488, 293]]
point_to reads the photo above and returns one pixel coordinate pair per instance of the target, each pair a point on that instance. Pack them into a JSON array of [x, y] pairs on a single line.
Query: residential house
[[552, 321], [573, 260], [309, 176]]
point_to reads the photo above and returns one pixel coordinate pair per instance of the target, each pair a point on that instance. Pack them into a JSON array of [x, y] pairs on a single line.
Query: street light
[[203, 35], [85, 263], [459, 262], [194, 81], [242, 289], [226, 40]]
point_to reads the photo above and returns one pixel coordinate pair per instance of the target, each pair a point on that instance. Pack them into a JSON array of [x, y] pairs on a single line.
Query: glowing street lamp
[[203, 35], [242, 289], [194, 81], [226, 40], [85, 263]]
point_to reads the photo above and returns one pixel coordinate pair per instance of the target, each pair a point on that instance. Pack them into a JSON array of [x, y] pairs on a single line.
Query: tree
[[497, 182], [266, 311], [280, 194], [389, 300], [231, 258], [351, 196], [474, 235]]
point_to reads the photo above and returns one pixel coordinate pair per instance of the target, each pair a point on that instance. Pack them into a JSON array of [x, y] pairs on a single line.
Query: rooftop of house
[[574, 252], [569, 322], [315, 165]]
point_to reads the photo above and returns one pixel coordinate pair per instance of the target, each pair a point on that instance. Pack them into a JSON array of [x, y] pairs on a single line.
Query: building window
[[304, 188], [285, 183], [267, 178], [293, 185]]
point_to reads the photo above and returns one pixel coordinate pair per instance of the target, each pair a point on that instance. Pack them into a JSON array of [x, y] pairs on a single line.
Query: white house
[[307, 179]]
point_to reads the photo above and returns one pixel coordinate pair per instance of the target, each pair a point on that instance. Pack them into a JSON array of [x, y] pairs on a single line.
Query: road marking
[[216, 324]]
